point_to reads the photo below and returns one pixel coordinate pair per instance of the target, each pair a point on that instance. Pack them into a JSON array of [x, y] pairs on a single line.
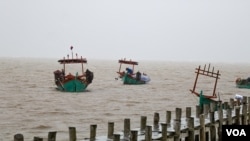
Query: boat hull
[[72, 86], [127, 79]]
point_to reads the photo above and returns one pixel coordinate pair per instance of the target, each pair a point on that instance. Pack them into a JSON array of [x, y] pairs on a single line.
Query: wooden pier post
[[92, 132], [52, 136], [188, 112], [198, 111], [143, 123], [220, 114], [38, 139], [72, 134], [148, 133], [156, 121], [110, 130], [126, 128], [202, 128], [205, 110], [212, 122], [244, 110], [190, 125], [18, 137], [237, 114], [232, 103], [178, 112], [164, 131], [134, 135], [117, 137], [168, 118], [177, 129], [248, 109]]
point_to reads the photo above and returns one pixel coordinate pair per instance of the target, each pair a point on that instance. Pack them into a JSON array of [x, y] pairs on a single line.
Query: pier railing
[[205, 125]]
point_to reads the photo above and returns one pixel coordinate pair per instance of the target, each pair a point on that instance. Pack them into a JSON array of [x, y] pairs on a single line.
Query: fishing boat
[[129, 76], [206, 99], [243, 83], [73, 81]]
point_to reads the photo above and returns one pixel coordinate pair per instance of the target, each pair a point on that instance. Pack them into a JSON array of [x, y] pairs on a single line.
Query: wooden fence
[[205, 125]]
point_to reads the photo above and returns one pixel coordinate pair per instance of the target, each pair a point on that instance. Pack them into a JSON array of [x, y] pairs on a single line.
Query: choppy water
[[30, 104]]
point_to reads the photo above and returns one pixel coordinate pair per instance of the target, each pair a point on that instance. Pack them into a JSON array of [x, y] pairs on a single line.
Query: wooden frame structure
[[206, 72]]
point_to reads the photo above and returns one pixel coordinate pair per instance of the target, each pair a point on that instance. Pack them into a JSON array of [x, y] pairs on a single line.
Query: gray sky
[[171, 30]]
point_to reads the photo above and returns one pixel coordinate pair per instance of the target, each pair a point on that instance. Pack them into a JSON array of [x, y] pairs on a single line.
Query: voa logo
[[236, 132]]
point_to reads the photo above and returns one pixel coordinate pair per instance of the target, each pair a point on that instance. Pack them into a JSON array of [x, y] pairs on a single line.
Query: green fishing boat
[[77, 82], [128, 76], [243, 83]]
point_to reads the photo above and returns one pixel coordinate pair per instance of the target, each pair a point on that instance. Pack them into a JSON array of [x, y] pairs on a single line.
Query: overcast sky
[[171, 30]]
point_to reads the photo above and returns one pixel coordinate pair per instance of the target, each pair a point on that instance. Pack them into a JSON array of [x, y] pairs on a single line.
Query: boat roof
[[128, 62], [72, 61]]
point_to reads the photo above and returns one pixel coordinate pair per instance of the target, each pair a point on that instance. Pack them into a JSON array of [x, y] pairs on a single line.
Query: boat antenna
[[71, 48]]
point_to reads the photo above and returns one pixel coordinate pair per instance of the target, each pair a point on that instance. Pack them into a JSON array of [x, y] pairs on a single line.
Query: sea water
[[30, 104]]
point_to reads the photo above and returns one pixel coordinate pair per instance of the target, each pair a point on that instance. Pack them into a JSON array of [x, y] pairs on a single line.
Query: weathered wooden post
[[205, 110], [188, 112], [18, 137], [134, 135], [168, 118], [148, 133], [212, 122], [198, 111], [72, 134], [52, 136], [248, 109], [143, 123], [178, 112], [237, 114], [126, 128], [244, 110], [116, 137], [220, 114], [232, 103], [156, 121], [38, 139], [177, 129], [164, 131], [110, 130], [92, 132], [190, 125], [202, 128], [229, 116]]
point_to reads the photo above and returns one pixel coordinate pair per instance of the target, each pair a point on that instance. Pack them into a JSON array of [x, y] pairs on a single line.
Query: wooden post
[[229, 116], [72, 134], [168, 118], [198, 111], [164, 131], [248, 109], [126, 128], [110, 130], [52, 136], [206, 109], [143, 123], [220, 114], [177, 128], [190, 125], [134, 135], [178, 112], [38, 139], [237, 114], [18, 137], [92, 132], [212, 122], [244, 110], [231, 103], [116, 137], [202, 128], [156, 121], [148, 133], [188, 112]]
